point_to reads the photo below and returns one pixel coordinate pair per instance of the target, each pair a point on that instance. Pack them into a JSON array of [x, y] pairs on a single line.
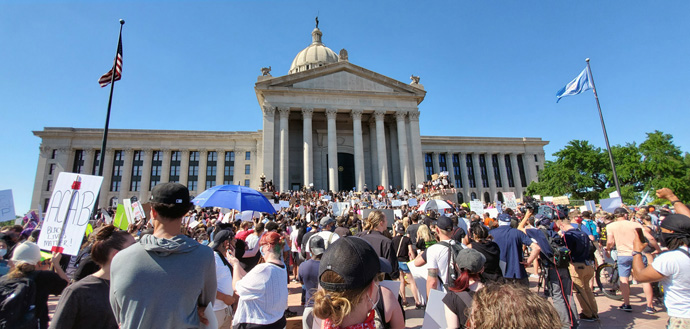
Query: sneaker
[[588, 319], [534, 276], [650, 310], [626, 308]]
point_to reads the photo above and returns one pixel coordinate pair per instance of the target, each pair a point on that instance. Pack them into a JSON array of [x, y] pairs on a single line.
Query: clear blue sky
[[491, 68]]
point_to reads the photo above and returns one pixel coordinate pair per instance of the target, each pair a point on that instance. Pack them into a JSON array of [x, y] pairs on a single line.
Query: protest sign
[[477, 206], [609, 205], [276, 206], [499, 207], [561, 200], [6, 206], [435, 315], [493, 212], [396, 203], [398, 213], [121, 220], [591, 206], [548, 199], [583, 208], [326, 198], [390, 195], [248, 215], [339, 208], [284, 204], [69, 210], [537, 197], [509, 198], [412, 202], [614, 194]]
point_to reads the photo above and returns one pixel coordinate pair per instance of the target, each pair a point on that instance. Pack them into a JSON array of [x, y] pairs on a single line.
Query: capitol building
[[327, 122]]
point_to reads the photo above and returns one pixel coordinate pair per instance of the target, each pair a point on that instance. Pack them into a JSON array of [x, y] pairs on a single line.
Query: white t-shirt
[[675, 266], [252, 242], [224, 279], [437, 257], [293, 241], [263, 295]]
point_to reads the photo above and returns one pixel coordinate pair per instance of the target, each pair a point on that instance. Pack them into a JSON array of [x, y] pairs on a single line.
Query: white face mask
[[3, 252]]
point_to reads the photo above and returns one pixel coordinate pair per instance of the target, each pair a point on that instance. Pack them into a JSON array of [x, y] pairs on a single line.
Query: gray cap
[[470, 259], [316, 245], [325, 220]]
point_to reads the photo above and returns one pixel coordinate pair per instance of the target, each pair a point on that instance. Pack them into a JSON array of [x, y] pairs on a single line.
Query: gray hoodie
[[158, 283]]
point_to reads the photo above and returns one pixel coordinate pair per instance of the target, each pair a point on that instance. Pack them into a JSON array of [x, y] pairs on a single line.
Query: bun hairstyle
[[106, 239], [374, 220], [274, 239]]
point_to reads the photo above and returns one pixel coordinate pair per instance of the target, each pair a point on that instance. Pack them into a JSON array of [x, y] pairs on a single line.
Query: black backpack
[[592, 249], [453, 248], [561, 253], [18, 302]]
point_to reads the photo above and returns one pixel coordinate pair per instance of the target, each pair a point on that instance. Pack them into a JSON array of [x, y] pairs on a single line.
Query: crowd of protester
[[166, 270]]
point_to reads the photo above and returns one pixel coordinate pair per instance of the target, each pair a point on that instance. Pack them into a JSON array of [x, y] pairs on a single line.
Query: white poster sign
[[284, 204], [499, 207], [339, 208], [477, 206], [396, 203], [6, 206], [326, 198], [412, 202], [435, 315], [69, 211], [493, 212], [548, 199], [614, 194], [609, 205], [591, 206], [537, 197], [509, 198], [398, 213], [276, 206]]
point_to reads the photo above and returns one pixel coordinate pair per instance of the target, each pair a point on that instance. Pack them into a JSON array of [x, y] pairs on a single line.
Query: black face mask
[[668, 238]]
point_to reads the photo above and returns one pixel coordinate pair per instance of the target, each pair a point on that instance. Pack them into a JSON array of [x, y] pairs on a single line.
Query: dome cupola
[[315, 55]]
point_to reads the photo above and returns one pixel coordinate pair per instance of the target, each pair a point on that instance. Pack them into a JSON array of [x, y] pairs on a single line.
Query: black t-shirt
[[401, 248], [47, 283], [412, 232], [602, 233], [85, 304], [458, 306], [492, 253], [342, 231]]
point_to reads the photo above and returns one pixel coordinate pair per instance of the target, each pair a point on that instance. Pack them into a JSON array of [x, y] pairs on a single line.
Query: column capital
[[109, 151], [128, 150], [45, 150], [379, 115], [400, 116], [356, 114], [219, 151], [331, 113], [268, 110], [203, 151], [307, 112], [89, 151], [63, 149], [413, 115], [284, 112]]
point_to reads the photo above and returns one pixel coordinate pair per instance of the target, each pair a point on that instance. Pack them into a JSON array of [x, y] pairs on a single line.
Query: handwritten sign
[[6, 206], [561, 200], [509, 198], [69, 211], [339, 208], [477, 206]]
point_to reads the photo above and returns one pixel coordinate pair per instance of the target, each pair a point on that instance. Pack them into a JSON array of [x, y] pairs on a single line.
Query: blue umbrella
[[234, 197]]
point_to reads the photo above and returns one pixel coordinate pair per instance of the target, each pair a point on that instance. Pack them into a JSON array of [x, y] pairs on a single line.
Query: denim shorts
[[403, 267], [625, 265]]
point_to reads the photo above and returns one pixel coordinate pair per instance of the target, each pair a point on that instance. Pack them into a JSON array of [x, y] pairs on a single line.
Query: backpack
[[453, 248], [561, 253], [17, 302], [591, 251]]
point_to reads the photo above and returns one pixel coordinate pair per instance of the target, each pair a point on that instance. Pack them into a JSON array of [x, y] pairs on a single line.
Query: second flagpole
[[603, 127]]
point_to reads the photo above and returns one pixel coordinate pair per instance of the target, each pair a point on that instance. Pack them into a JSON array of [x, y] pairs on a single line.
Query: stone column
[[165, 165], [268, 137], [184, 167], [220, 167], [331, 114], [307, 146], [516, 174], [374, 154], [381, 148], [41, 173], [435, 162], [203, 162], [146, 175], [492, 177], [88, 161], [284, 149], [531, 167], [61, 161], [107, 177], [503, 170], [126, 180], [359, 148], [451, 169], [477, 174], [417, 156], [464, 176], [402, 150]]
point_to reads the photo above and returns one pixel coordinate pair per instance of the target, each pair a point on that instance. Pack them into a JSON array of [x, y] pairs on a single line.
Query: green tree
[[664, 165]]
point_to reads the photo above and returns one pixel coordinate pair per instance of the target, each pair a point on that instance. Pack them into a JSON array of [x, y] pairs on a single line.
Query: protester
[[167, 279], [24, 265], [411, 231], [252, 255], [309, 277], [511, 306], [262, 291], [424, 238], [438, 256], [223, 242], [85, 304], [480, 241], [351, 296], [510, 241], [404, 252], [671, 268], [469, 263], [679, 206], [4, 264], [373, 233]]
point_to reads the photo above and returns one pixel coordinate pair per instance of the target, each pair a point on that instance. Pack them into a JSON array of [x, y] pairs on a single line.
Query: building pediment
[[338, 78]]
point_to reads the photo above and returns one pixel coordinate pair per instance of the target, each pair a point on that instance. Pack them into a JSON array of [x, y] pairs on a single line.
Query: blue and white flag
[[577, 86]]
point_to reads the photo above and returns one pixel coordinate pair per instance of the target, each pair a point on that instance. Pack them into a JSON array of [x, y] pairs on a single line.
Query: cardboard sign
[[6, 206], [477, 206], [509, 198], [561, 200], [609, 205], [412, 202], [434, 177], [396, 203], [69, 211]]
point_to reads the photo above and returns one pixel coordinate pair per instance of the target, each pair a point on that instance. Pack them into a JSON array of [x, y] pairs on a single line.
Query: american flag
[[105, 79]]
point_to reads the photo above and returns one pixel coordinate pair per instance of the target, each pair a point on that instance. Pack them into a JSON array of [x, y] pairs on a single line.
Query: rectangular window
[[210, 184], [443, 165], [470, 171], [229, 169], [247, 169], [51, 170], [54, 154], [156, 168], [211, 165], [248, 156], [137, 171], [457, 171], [497, 170], [482, 168], [193, 172], [521, 170], [509, 171], [78, 161], [537, 169], [116, 177], [175, 161], [96, 162], [246, 182], [230, 156], [535, 158], [49, 185], [191, 185], [428, 166]]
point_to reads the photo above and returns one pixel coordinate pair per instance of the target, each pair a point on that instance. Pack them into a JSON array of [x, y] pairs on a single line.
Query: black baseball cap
[[444, 223], [354, 260], [170, 193], [620, 211], [220, 237]]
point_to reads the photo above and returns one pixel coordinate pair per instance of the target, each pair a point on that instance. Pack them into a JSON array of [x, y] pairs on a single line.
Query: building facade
[[328, 123]]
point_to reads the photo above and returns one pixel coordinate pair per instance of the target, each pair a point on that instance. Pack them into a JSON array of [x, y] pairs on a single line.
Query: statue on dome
[[266, 71], [343, 55], [317, 22], [415, 79]]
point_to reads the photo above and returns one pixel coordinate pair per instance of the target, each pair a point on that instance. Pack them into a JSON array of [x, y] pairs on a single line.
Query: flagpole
[[603, 127]]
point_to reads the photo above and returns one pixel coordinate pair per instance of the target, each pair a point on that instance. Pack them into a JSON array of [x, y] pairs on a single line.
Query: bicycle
[[609, 281]]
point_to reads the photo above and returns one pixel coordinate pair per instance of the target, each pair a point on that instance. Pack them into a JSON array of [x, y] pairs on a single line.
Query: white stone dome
[[315, 55]]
